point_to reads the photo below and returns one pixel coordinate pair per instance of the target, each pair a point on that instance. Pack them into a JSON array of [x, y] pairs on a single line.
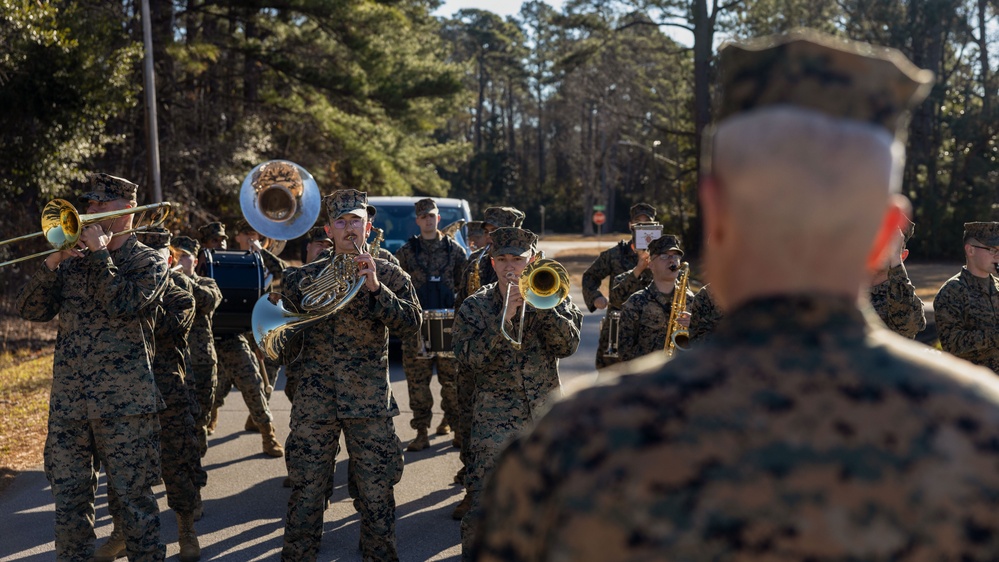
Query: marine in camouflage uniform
[[239, 364], [512, 386], [612, 263], [892, 296], [180, 460], [202, 377], [345, 388], [704, 315], [434, 262], [967, 305], [645, 315], [478, 261], [798, 431], [104, 401]]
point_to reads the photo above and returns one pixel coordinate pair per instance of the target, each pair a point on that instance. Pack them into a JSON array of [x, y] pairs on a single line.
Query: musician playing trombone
[[104, 400], [344, 387], [513, 384], [645, 315]]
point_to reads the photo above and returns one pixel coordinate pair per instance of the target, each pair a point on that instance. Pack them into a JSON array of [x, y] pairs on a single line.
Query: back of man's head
[[799, 186]]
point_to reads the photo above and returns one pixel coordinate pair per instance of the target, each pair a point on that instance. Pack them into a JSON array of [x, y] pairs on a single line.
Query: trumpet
[[62, 225], [544, 284]]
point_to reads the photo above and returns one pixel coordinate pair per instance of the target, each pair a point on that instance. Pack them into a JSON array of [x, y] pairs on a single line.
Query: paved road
[[245, 503]]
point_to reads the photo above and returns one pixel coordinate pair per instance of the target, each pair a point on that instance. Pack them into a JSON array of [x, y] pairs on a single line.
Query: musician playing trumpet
[[344, 387], [645, 315], [512, 386]]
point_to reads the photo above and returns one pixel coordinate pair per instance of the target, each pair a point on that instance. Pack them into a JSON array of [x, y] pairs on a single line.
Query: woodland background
[[595, 104]]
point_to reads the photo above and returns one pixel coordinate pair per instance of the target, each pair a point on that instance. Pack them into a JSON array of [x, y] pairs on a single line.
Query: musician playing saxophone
[[645, 315], [512, 386], [344, 387]]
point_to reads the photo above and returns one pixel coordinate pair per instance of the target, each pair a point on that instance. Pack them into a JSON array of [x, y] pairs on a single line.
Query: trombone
[[62, 225], [544, 284]]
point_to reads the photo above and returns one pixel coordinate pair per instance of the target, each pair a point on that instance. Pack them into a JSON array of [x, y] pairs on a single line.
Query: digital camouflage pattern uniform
[[104, 400], [897, 305], [433, 266], [180, 456], [344, 386], [797, 432], [967, 317], [704, 315], [646, 311], [611, 263], [644, 319], [203, 375], [498, 217], [512, 386]]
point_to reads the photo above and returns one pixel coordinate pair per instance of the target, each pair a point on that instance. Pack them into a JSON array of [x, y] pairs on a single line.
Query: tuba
[[280, 200], [677, 337], [544, 284]]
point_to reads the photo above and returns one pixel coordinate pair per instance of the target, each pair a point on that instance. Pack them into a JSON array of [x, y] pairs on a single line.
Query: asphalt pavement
[[245, 503]]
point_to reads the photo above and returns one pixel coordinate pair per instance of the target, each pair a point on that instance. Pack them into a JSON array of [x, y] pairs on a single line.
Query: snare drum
[[435, 333], [242, 280], [613, 333]]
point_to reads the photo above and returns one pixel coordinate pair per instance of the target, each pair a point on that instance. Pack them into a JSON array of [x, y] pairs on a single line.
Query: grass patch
[[25, 382]]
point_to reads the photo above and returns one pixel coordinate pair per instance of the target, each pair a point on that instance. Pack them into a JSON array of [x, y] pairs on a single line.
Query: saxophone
[[474, 282], [677, 337]]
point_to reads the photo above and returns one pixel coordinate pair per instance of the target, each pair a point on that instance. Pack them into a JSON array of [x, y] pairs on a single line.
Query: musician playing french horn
[[513, 383], [104, 400], [645, 315], [344, 387]]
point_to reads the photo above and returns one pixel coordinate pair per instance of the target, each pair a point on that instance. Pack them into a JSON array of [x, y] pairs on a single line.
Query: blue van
[[397, 217]]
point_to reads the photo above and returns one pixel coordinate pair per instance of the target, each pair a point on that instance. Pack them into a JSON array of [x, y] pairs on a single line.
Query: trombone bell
[[544, 285]]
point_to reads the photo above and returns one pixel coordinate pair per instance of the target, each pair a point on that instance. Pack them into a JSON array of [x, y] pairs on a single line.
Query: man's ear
[[895, 218], [712, 207], [328, 231]]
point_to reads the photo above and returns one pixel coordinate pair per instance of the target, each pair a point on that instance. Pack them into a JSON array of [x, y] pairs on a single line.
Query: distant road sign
[[599, 217], [600, 207]]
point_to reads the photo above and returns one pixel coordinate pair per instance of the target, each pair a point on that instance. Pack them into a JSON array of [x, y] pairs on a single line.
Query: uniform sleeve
[[704, 315], [207, 294], [275, 265], [559, 328], [476, 335], [593, 277], [626, 284], [177, 315], [133, 285], [905, 314], [458, 266], [41, 299], [405, 257], [395, 304], [629, 328], [949, 308]]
